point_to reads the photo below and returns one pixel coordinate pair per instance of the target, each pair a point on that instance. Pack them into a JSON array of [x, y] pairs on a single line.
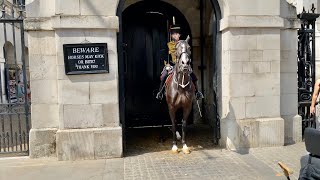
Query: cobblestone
[[205, 164], [142, 163], [257, 163]]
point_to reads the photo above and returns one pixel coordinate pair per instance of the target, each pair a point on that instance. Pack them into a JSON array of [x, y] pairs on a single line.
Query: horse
[[180, 92]]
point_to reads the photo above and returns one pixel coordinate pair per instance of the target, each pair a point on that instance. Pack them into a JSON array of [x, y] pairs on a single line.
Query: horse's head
[[184, 63], [183, 47], [183, 53]]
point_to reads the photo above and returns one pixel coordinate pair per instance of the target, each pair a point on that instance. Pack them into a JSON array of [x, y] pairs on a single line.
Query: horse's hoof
[[175, 149], [185, 150]]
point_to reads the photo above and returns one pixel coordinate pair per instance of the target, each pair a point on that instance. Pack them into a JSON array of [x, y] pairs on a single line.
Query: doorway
[[145, 35], [142, 49]]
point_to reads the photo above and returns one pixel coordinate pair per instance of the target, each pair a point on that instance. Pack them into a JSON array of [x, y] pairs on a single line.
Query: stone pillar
[[288, 79], [73, 116], [250, 114]]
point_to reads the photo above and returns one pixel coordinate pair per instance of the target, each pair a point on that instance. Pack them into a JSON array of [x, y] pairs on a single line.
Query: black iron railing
[[14, 86], [306, 66]]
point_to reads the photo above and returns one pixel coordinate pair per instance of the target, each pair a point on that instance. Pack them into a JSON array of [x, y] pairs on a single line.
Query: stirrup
[[199, 95], [159, 95]]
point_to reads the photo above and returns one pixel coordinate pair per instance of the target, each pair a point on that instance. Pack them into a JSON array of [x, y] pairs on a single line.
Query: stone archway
[[206, 55], [251, 38]]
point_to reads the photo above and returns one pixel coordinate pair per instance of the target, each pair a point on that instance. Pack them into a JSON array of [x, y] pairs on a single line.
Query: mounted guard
[[169, 65], [180, 84]]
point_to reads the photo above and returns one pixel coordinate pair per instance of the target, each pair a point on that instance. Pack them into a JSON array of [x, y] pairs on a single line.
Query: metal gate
[[306, 66], [14, 88]]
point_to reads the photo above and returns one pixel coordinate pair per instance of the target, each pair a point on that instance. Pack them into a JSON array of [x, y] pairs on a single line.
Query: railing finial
[[313, 8]]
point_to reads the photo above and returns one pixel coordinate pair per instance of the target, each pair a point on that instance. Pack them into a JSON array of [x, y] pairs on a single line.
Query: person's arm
[[314, 96]]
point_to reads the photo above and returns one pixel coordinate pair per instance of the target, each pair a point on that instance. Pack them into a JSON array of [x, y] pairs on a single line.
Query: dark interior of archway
[[144, 32], [145, 35]]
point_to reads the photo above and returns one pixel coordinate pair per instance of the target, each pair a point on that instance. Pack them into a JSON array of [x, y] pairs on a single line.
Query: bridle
[[182, 85]]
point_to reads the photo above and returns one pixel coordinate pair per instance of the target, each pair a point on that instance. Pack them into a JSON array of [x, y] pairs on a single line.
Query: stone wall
[[255, 85], [77, 117], [288, 67], [73, 116]]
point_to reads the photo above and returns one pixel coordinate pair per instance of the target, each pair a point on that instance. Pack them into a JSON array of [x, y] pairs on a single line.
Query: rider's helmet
[[175, 29]]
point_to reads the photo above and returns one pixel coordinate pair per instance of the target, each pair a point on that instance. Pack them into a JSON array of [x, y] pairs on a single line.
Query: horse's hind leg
[[186, 113], [172, 114]]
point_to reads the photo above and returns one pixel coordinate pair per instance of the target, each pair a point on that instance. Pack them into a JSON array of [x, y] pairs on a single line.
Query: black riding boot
[[161, 89], [198, 94]]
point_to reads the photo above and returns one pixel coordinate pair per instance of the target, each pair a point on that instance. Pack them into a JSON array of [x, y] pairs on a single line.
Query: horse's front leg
[[172, 113], [186, 112]]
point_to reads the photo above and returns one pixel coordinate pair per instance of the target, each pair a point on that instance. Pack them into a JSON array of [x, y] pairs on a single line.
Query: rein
[[174, 77], [181, 85]]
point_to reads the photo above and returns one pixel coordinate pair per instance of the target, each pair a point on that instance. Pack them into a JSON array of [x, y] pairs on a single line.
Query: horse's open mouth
[[185, 70]]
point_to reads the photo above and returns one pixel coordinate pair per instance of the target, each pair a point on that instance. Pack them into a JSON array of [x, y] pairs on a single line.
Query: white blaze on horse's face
[[185, 62]]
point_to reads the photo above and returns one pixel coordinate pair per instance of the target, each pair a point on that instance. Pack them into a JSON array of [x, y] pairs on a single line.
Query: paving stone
[[258, 163], [205, 164]]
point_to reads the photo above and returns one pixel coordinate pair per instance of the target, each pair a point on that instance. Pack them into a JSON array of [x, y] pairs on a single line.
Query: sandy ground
[[148, 139]]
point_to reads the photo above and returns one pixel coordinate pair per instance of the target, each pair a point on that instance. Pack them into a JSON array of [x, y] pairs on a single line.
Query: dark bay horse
[[180, 92]]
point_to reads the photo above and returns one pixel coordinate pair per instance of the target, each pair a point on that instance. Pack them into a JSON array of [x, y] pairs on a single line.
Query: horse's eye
[[182, 62]]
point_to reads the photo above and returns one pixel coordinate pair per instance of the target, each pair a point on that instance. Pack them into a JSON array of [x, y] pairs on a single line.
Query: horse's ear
[[188, 38]]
